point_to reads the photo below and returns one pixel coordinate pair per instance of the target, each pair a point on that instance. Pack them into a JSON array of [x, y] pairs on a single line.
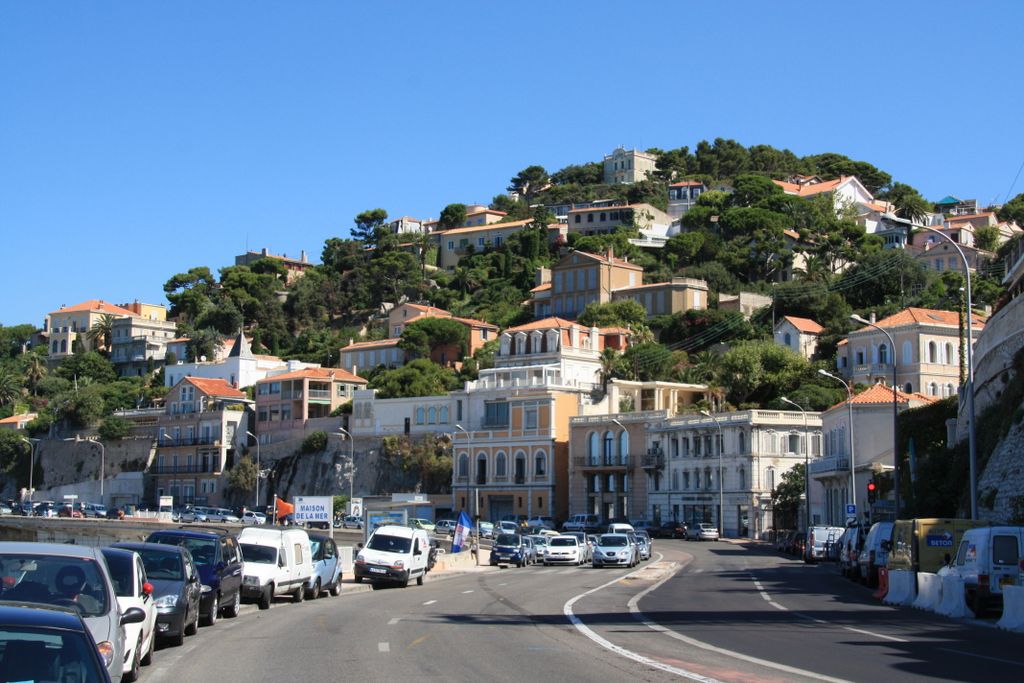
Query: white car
[[564, 550], [252, 518], [614, 550], [352, 522], [133, 590], [702, 532]]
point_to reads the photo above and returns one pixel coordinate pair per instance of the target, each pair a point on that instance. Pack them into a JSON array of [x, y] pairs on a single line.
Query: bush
[[315, 442], [114, 428]]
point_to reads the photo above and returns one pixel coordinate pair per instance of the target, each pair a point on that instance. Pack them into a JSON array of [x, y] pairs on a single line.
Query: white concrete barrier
[[346, 557], [953, 603], [901, 588], [1013, 609], [929, 591]]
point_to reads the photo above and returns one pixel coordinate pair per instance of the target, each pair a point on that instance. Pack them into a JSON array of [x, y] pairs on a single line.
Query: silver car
[[75, 577]]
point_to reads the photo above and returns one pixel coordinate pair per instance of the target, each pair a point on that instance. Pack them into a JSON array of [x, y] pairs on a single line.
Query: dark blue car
[[43, 643], [509, 549], [219, 559]]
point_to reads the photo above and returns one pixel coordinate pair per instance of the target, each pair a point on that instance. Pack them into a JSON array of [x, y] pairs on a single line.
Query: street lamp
[[849, 407], [469, 458], [256, 439], [721, 495], [350, 469], [971, 433], [895, 414], [31, 465], [807, 466], [103, 458]]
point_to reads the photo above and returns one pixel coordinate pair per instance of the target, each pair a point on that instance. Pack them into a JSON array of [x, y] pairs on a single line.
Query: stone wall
[[69, 462], [1004, 475], [993, 357]]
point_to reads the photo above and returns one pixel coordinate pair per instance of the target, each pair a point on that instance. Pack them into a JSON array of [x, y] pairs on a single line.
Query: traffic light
[[872, 490]]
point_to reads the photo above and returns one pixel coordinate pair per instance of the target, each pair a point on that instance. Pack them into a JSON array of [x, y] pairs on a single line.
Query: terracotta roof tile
[[214, 387], [337, 374], [805, 325], [484, 228], [879, 394], [924, 316], [687, 183], [816, 188], [94, 306], [381, 343], [15, 419], [546, 324], [542, 288]]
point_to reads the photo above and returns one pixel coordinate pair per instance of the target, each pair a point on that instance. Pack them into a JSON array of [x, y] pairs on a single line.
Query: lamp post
[[807, 466], [849, 407], [103, 459], [469, 458], [971, 432], [895, 414], [31, 466], [350, 470], [721, 494], [258, 471]]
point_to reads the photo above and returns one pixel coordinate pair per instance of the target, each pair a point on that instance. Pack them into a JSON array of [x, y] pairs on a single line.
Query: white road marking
[[971, 654], [876, 635], [633, 607], [383, 647], [466, 592], [697, 571], [502, 584], [394, 620], [430, 602]]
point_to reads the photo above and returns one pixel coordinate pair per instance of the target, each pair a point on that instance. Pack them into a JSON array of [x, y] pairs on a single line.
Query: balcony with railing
[[194, 468], [319, 394], [653, 459], [173, 442], [606, 463], [829, 465]]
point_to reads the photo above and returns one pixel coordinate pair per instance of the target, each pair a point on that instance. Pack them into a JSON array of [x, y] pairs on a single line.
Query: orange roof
[[606, 208], [15, 419], [179, 340], [843, 342], [337, 374], [805, 325], [687, 183], [484, 228], [615, 330], [879, 394], [545, 324], [94, 306], [428, 309], [382, 343], [881, 208], [492, 211], [808, 190], [541, 288], [924, 316], [473, 322], [792, 234], [967, 217], [215, 387]]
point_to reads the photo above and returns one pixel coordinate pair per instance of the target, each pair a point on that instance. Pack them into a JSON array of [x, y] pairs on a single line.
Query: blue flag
[[462, 530]]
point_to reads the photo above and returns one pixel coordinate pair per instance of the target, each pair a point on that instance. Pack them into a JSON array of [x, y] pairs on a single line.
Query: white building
[[240, 369], [628, 166], [800, 335]]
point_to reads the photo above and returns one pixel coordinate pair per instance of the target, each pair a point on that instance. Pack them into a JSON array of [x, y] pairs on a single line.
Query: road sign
[[851, 509], [355, 507], [313, 509], [166, 501]]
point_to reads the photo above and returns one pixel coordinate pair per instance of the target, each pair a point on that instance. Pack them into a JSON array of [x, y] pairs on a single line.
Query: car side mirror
[[133, 616]]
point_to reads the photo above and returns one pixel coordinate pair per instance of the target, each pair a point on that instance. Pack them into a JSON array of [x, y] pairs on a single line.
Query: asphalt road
[[696, 611]]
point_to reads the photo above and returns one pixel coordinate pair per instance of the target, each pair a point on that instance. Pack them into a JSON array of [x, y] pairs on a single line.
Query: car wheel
[[315, 593], [193, 628], [132, 674], [211, 618], [335, 590], [231, 611], [299, 594], [267, 597], [359, 579], [419, 579]]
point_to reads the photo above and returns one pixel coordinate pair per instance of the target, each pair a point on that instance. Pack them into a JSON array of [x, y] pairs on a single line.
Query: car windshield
[[261, 554], [613, 541], [162, 566], [37, 654], [315, 546], [388, 543], [540, 540], [122, 573], [507, 539], [564, 541], [203, 550], [53, 580]]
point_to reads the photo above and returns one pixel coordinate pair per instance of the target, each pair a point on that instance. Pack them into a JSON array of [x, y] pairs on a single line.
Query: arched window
[[593, 449], [773, 442], [951, 389], [463, 466], [609, 443], [908, 388], [908, 353], [883, 354], [623, 446], [419, 415], [55, 346], [500, 465], [950, 357], [520, 468], [788, 339], [63, 345], [933, 353], [933, 389], [540, 464], [432, 415], [707, 477], [443, 415], [743, 479], [696, 479]]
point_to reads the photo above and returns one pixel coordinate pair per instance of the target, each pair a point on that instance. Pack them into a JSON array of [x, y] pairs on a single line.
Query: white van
[[988, 559], [277, 562], [393, 554], [619, 528], [820, 542]]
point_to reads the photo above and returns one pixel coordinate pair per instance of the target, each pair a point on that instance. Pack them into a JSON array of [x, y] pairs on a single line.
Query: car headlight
[[166, 601], [106, 650], [398, 564], [207, 589], [251, 580]]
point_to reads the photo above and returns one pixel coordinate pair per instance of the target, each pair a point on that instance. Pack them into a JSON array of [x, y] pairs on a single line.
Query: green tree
[[622, 313], [34, 371], [908, 202], [647, 362], [787, 494], [591, 173], [101, 334], [10, 385], [751, 190], [189, 293], [91, 365], [203, 342], [370, 226], [1013, 210], [452, 216], [114, 428], [416, 378], [528, 182], [831, 165], [987, 237], [314, 443], [242, 478], [422, 336], [760, 371], [14, 456]]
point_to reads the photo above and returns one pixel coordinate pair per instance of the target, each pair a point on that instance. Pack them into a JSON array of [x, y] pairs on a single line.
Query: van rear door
[[1005, 558]]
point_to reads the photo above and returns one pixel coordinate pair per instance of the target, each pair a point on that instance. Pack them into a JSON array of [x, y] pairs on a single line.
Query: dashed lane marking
[[429, 602], [383, 647], [394, 620], [467, 592]]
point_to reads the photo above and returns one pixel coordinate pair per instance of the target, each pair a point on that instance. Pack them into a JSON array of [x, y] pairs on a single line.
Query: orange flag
[[284, 509]]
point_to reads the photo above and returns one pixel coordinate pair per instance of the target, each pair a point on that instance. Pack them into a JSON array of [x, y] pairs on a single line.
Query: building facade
[[67, 329], [580, 278], [799, 335], [628, 166], [295, 267], [139, 343], [682, 196], [666, 298], [287, 401]]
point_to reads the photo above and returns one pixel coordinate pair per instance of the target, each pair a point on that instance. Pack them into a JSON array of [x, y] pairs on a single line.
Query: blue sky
[[138, 139]]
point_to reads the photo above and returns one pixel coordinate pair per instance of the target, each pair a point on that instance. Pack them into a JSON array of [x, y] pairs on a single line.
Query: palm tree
[[609, 365], [705, 366], [101, 335], [35, 371], [10, 386]]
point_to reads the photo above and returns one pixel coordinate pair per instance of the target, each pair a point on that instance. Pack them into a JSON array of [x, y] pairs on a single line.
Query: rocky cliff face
[[1001, 485], [323, 473]]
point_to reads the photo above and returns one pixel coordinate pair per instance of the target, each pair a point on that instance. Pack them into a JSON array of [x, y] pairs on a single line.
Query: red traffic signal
[[871, 486], [872, 490]]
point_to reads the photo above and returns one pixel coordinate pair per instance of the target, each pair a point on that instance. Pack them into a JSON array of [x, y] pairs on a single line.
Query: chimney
[[264, 252], [305, 259], [611, 252], [872, 318]]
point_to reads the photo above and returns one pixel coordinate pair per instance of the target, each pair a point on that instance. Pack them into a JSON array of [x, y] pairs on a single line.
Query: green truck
[[927, 545]]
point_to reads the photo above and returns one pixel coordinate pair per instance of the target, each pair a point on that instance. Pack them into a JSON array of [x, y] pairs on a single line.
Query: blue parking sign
[[851, 509]]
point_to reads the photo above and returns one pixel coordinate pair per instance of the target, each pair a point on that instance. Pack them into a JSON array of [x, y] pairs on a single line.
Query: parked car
[[219, 561], [644, 544], [253, 518], [619, 528], [6, 509], [820, 541], [849, 549], [564, 549], [509, 549], [395, 555], [326, 567], [43, 643], [95, 510], [221, 516], [669, 530], [420, 523], [585, 546], [541, 521], [46, 508], [443, 526], [874, 554], [70, 576], [584, 523], [70, 511], [988, 559], [192, 514], [277, 562], [614, 550], [704, 531], [133, 589], [177, 590]]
